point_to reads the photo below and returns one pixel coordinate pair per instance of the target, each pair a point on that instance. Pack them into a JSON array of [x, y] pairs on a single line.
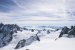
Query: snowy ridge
[[46, 42]]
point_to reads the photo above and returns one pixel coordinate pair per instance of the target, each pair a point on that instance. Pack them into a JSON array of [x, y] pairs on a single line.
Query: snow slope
[[47, 42]]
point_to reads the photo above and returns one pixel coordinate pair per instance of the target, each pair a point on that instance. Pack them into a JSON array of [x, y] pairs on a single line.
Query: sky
[[37, 11]]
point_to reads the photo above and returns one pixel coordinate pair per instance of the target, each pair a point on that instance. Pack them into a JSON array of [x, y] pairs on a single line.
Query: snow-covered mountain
[[34, 38]]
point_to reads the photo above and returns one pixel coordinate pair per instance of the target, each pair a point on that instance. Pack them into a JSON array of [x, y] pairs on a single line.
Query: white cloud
[[38, 10]]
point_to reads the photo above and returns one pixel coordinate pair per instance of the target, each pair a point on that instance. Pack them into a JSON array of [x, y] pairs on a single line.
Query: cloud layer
[[37, 10]]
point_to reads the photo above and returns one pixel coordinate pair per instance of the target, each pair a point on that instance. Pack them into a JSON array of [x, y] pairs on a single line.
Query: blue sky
[[23, 11]]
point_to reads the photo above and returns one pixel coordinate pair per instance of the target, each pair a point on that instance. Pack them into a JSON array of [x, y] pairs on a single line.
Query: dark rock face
[[27, 49], [69, 31], [25, 28], [57, 29], [6, 32], [32, 30], [20, 44], [64, 31], [27, 42], [37, 37], [48, 32]]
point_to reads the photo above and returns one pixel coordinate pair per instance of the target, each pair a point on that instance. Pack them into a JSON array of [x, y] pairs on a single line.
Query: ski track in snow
[[47, 42]]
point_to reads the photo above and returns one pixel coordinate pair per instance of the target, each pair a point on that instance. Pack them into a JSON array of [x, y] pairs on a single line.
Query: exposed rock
[[27, 49], [32, 39], [20, 44], [6, 32], [71, 32], [37, 37], [48, 32], [57, 29], [27, 42], [25, 28], [64, 31], [32, 30], [72, 27], [44, 29]]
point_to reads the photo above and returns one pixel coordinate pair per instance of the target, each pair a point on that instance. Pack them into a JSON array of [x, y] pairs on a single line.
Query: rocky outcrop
[[71, 32], [26, 42], [64, 31], [20, 44], [68, 31], [6, 32], [48, 31]]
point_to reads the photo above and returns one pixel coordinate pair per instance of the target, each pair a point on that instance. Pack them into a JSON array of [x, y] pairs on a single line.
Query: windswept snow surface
[[47, 42]]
